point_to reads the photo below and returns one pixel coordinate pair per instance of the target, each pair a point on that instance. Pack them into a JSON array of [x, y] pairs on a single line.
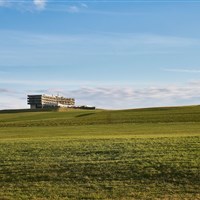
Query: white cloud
[[12, 102], [130, 97], [182, 70], [73, 9], [40, 4], [84, 5], [118, 97], [111, 96], [4, 3], [11, 99], [77, 9], [4, 90], [24, 5]]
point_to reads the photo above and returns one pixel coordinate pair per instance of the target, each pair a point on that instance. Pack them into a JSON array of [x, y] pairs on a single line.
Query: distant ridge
[[69, 117], [70, 109]]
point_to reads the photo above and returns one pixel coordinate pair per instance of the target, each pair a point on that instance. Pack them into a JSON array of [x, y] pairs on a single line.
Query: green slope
[[80, 154], [84, 117]]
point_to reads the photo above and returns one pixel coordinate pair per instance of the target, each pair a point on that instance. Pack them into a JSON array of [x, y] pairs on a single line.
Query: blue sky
[[110, 54]]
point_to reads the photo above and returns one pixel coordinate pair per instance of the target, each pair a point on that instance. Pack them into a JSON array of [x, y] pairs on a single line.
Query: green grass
[[129, 154], [87, 117]]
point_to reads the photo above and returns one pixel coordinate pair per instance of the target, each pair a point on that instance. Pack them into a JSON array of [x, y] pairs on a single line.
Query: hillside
[[101, 154], [88, 117]]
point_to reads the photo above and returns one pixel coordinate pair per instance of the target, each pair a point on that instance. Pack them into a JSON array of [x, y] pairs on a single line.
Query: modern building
[[45, 101]]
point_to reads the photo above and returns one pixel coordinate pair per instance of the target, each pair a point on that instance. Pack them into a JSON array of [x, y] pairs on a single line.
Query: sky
[[110, 54]]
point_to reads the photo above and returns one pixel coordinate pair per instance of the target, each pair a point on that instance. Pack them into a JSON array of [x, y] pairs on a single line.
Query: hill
[[100, 154], [26, 118]]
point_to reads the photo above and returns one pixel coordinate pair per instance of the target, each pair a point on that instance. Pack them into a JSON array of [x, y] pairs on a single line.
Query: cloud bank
[[118, 97], [112, 96]]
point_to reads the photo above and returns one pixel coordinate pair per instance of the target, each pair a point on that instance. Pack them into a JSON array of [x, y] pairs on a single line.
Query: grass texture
[[78, 154]]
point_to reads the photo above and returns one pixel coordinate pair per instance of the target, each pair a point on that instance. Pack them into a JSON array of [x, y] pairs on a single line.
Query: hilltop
[[67, 117]]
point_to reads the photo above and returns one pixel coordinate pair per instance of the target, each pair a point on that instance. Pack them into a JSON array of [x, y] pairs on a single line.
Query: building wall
[[33, 106], [44, 101]]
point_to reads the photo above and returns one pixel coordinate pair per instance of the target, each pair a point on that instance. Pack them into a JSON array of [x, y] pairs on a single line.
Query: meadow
[[100, 154]]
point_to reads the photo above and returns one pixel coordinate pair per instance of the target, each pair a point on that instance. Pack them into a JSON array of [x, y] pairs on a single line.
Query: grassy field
[[130, 154]]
